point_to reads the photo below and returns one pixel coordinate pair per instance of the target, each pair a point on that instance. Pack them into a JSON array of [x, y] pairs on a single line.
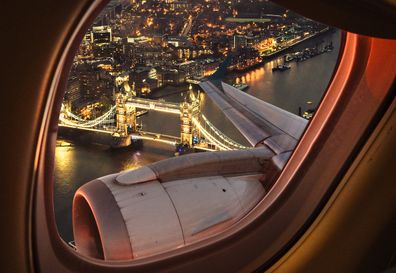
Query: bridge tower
[[130, 118], [188, 111], [186, 124], [121, 115], [125, 116]]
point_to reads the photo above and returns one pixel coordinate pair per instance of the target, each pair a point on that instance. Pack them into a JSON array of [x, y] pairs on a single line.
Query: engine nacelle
[[168, 204]]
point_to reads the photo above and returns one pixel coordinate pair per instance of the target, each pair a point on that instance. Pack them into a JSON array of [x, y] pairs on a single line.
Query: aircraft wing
[[258, 121]]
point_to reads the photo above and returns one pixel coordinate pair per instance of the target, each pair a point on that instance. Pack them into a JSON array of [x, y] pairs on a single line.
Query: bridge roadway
[[168, 139], [160, 106], [144, 135]]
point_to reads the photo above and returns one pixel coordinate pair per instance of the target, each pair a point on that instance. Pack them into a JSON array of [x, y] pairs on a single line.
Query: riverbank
[[286, 49], [169, 90], [281, 52]]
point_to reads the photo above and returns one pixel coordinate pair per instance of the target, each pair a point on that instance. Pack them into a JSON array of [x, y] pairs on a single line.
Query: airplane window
[[179, 116]]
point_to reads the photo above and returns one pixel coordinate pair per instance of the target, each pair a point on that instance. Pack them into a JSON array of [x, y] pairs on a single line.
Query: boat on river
[[241, 86], [281, 67]]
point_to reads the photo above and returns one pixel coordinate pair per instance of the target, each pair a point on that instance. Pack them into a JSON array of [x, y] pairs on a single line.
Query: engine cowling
[[160, 207]]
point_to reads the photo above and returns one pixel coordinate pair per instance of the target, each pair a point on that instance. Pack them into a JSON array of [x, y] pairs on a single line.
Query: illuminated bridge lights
[[219, 139], [84, 123], [222, 136], [216, 140]]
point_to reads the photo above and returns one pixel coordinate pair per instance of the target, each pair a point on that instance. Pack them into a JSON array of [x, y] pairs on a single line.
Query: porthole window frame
[[54, 255]]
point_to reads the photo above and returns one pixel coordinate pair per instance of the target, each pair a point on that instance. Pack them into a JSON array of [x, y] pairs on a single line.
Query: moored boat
[[241, 86], [281, 67]]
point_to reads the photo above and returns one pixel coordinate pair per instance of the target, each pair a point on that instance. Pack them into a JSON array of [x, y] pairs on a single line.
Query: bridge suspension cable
[[87, 124], [218, 138]]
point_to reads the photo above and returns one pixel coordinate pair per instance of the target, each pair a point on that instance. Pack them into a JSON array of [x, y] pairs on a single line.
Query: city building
[[101, 35], [170, 76], [143, 80], [192, 69], [241, 41]]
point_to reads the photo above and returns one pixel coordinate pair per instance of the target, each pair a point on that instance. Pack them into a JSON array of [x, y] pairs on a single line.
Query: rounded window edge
[[216, 239]]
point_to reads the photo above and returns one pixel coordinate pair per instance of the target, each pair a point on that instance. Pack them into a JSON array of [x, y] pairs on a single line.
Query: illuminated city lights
[[137, 48]]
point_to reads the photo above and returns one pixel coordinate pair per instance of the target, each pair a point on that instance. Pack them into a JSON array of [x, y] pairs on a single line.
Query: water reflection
[[64, 158], [133, 163]]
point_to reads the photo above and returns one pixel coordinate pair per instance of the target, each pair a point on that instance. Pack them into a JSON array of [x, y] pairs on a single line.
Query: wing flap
[[258, 121]]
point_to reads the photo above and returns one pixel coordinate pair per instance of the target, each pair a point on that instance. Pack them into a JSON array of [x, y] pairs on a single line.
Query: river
[[301, 86]]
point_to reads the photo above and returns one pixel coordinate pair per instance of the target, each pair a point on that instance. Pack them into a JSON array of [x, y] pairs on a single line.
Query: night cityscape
[[140, 47], [135, 95]]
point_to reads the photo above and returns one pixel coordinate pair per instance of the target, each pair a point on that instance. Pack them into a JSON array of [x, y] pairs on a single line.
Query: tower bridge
[[196, 131]]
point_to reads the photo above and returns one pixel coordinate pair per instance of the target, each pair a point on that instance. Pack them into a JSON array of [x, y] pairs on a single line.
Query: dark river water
[[301, 86]]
